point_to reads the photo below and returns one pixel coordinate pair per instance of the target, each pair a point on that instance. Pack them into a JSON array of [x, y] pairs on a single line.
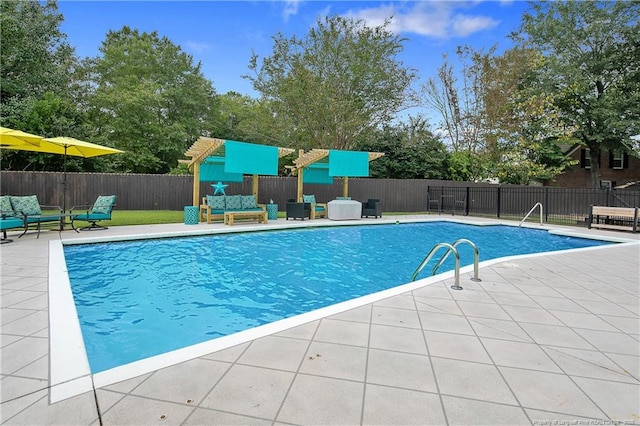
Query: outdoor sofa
[[214, 207], [30, 211]]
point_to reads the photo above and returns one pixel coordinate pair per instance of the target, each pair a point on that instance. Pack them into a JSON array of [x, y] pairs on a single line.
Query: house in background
[[617, 168]]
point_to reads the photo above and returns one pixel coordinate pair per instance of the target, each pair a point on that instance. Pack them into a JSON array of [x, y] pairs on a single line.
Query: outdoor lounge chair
[[28, 209], [9, 222], [373, 207], [317, 209], [100, 210]]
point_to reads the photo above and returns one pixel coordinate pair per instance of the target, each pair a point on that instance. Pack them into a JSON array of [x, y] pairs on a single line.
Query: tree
[[148, 99], [36, 80], [411, 152], [591, 70], [333, 87]]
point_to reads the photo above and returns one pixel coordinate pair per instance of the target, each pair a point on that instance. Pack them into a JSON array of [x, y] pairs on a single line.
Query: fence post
[[546, 204], [466, 205], [498, 206], [608, 196]]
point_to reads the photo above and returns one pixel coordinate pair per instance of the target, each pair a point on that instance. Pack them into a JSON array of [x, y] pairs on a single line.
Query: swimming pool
[[205, 287]]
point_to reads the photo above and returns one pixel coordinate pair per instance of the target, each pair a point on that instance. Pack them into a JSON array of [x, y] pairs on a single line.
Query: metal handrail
[[531, 211], [476, 258], [450, 248]]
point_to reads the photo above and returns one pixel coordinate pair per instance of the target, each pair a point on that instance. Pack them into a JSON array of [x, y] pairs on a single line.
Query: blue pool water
[[137, 299]]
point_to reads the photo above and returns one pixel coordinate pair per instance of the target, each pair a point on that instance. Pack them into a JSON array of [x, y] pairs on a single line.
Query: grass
[[144, 217]]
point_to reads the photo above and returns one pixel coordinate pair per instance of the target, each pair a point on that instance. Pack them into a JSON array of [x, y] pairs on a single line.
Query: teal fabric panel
[[250, 159], [317, 173], [103, 205], [215, 172], [26, 205], [348, 163]]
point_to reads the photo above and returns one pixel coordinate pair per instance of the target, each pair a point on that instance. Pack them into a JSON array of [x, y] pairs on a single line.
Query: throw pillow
[[216, 202], [234, 202], [309, 199], [28, 205], [248, 202], [103, 204], [5, 206]]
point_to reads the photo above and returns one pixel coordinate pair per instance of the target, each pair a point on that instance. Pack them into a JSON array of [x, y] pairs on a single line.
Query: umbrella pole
[[64, 189]]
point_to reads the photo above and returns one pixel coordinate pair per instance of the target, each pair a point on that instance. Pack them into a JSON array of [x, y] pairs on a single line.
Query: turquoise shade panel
[[317, 173], [250, 159], [348, 163], [215, 172]]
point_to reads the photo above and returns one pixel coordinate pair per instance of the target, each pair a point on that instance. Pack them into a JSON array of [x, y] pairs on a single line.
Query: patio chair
[[373, 207], [318, 210], [99, 211]]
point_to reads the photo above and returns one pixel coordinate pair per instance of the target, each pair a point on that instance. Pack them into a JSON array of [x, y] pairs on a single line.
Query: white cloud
[[197, 47], [433, 19], [290, 8]]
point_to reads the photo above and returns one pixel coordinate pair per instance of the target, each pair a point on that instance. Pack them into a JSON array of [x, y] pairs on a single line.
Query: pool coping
[[70, 373]]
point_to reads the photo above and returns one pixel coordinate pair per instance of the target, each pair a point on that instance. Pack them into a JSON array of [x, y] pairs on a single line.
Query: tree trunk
[[594, 154]]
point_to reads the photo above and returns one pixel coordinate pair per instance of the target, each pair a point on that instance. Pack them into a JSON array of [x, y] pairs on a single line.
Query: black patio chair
[[373, 207], [295, 210]]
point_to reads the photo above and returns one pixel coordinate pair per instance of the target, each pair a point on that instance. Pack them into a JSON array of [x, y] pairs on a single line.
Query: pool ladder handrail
[[531, 211], [451, 248]]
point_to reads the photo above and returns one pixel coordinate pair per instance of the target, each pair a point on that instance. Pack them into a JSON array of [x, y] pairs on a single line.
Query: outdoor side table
[[272, 211], [191, 215]]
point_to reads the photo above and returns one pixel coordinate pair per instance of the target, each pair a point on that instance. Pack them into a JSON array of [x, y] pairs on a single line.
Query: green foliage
[[333, 87], [148, 99], [411, 152], [466, 166], [591, 69]]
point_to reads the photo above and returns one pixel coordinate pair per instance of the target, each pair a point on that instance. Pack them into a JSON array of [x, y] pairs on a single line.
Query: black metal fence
[[164, 192]]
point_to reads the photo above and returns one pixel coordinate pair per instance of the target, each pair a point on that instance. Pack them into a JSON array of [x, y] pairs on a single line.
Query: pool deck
[[545, 339]]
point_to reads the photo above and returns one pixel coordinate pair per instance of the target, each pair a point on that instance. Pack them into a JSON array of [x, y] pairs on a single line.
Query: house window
[[606, 184], [617, 159], [586, 158]]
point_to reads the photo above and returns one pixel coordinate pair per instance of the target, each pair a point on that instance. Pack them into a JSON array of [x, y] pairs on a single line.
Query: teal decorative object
[[219, 188]]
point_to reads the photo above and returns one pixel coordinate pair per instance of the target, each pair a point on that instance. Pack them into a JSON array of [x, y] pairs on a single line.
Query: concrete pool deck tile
[[250, 391], [359, 314], [553, 335], [581, 320], [22, 353], [136, 410], [277, 352], [322, 401], [456, 346], [336, 361], [463, 411], [514, 300], [304, 331], [75, 411], [551, 392], [27, 325], [402, 370], [436, 306], [559, 303], [204, 416], [399, 339], [589, 364], [499, 329], [402, 301], [472, 380], [345, 332], [533, 315], [483, 310], [528, 356], [168, 384], [611, 342], [449, 322], [229, 354], [391, 406], [615, 399], [609, 308], [627, 325], [401, 317]]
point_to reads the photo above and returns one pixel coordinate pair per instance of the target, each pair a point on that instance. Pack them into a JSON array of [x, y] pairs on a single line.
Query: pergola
[[322, 165], [220, 159]]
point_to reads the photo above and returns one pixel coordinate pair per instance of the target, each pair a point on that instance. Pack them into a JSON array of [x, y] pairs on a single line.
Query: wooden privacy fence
[[165, 192]]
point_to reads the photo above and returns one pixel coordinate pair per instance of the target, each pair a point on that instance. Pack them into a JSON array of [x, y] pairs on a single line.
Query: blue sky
[[222, 34]]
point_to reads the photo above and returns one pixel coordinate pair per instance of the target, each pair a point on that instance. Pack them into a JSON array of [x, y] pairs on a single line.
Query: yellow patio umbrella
[[66, 146], [10, 138]]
